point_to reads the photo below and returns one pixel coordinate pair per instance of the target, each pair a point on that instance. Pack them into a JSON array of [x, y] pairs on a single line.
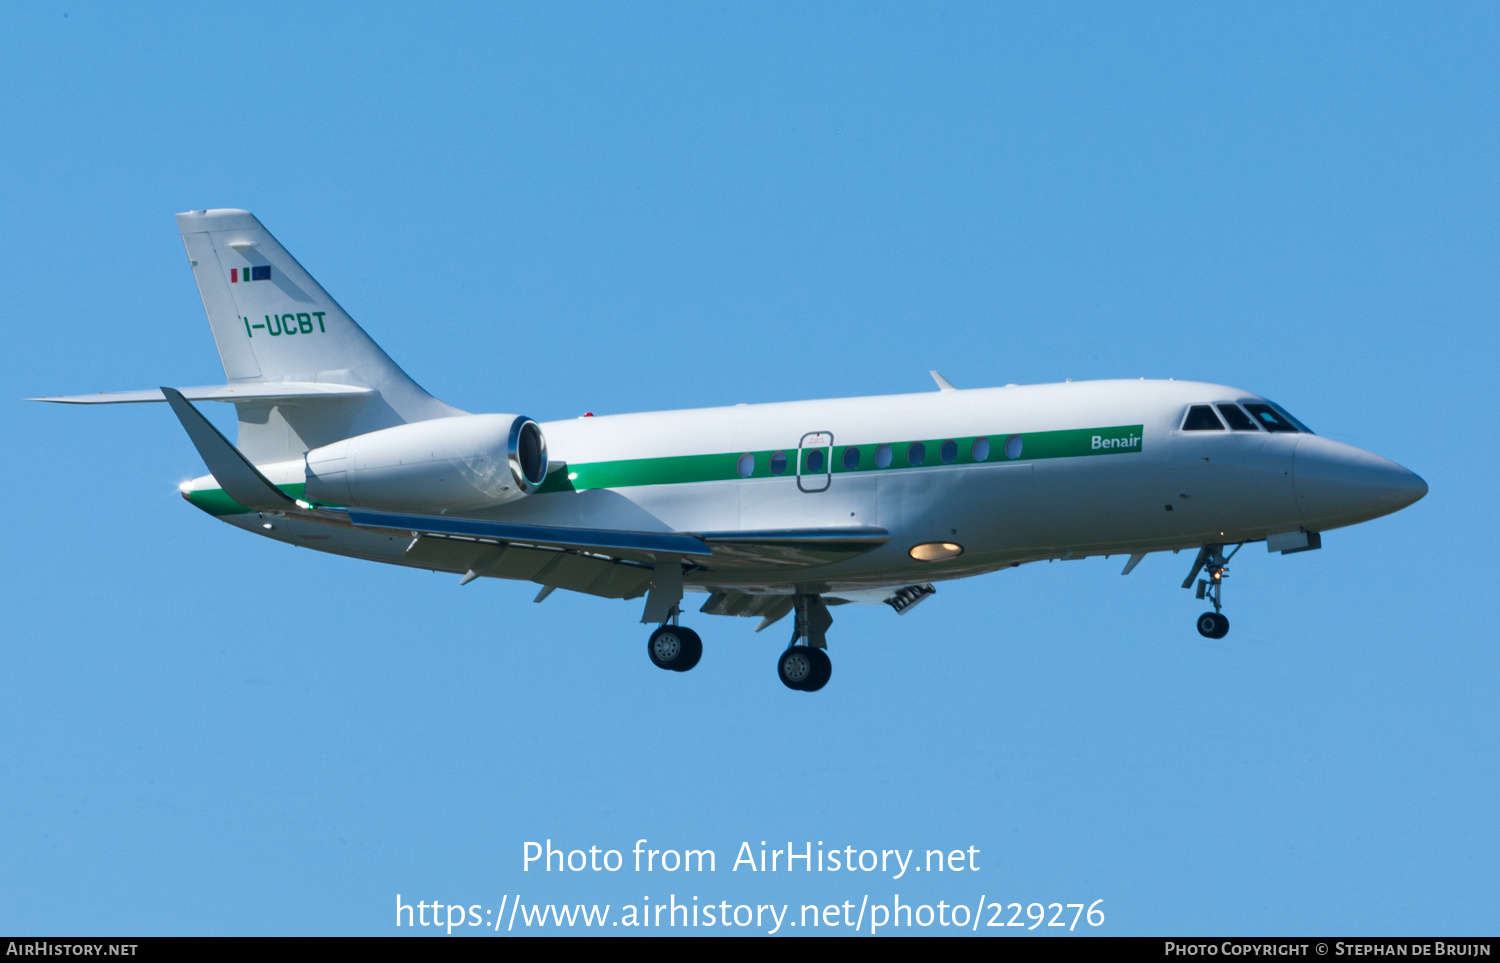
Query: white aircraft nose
[[1339, 484]]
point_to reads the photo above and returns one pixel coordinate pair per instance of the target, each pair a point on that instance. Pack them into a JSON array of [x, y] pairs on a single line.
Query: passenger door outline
[[815, 442]]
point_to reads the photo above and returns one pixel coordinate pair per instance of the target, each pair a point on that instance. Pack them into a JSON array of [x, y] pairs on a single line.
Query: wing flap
[[791, 548]]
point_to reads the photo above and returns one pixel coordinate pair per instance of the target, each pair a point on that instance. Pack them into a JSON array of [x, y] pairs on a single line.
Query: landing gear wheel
[[822, 670], [796, 667], [674, 647], [804, 668], [1213, 625], [694, 649]]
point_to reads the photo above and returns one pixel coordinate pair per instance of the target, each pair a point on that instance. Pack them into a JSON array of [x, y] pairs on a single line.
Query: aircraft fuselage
[[1001, 475]]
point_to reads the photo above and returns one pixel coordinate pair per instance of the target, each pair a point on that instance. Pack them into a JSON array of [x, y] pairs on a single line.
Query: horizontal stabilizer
[[267, 391], [586, 539], [240, 480]]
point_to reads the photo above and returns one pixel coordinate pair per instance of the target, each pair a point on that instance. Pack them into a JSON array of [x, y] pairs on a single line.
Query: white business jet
[[770, 510]]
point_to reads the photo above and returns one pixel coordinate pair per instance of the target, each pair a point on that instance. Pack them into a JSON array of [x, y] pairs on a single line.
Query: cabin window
[[1013, 447], [883, 456], [1269, 419], [1201, 418], [981, 449], [851, 459], [1238, 420], [949, 452], [916, 454], [746, 465], [778, 463], [815, 461]]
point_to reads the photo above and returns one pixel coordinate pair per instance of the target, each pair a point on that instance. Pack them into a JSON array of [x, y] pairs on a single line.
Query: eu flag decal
[[258, 272]]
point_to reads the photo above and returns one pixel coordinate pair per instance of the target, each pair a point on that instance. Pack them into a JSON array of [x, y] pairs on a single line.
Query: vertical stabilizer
[[272, 323]]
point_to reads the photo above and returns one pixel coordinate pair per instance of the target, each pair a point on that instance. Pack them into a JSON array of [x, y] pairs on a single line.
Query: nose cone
[[1339, 484]]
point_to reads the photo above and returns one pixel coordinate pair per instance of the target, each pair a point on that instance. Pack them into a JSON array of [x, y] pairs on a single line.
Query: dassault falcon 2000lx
[[771, 510]]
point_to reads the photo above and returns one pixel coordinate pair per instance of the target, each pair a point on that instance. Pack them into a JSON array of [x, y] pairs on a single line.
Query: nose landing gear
[[1212, 561], [1213, 625]]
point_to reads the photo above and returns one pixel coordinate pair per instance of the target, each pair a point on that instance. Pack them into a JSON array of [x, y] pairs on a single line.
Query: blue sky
[[554, 210]]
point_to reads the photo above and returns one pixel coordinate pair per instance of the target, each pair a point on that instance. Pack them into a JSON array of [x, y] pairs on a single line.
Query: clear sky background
[[557, 209]]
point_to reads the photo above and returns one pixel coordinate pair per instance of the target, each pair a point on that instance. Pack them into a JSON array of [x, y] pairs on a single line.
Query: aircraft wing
[[715, 551], [604, 541], [608, 563]]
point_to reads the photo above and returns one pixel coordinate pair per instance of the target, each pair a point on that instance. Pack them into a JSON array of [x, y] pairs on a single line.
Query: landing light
[[935, 551]]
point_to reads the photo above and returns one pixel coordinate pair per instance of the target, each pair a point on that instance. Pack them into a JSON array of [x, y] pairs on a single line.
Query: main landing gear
[[806, 667], [674, 646], [1212, 561]]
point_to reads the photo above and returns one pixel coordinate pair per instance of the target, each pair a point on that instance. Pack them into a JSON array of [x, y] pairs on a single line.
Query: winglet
[[239, 479], [943, 383]]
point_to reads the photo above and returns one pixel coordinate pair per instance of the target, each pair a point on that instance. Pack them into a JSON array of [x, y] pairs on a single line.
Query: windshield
[[1272, 418], [1288, 416]]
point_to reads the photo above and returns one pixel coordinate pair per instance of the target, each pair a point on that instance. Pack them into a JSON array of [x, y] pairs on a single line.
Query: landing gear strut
[[674, 646], [1212, 561], [807, 667]]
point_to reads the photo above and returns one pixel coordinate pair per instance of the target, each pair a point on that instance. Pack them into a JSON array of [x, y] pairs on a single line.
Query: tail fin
[[273, 323]]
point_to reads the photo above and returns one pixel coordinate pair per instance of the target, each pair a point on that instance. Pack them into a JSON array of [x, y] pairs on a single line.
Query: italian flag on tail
[[260, 272]]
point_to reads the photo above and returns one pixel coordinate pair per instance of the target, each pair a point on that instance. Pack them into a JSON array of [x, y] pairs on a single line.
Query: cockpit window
[[1270, 419], [1201, 418], [1238, 420], [1288, 416]]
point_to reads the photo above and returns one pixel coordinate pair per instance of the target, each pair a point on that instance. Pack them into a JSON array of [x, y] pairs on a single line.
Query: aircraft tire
[[1213, 625], [822, 670], [796, 667], [671, 647], [692, 649]]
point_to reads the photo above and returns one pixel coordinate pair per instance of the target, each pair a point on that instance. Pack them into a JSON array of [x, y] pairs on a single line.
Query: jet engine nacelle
[[464, 462]]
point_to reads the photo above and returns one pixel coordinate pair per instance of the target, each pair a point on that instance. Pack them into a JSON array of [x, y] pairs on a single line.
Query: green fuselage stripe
[[683, 469], [679, 469]]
